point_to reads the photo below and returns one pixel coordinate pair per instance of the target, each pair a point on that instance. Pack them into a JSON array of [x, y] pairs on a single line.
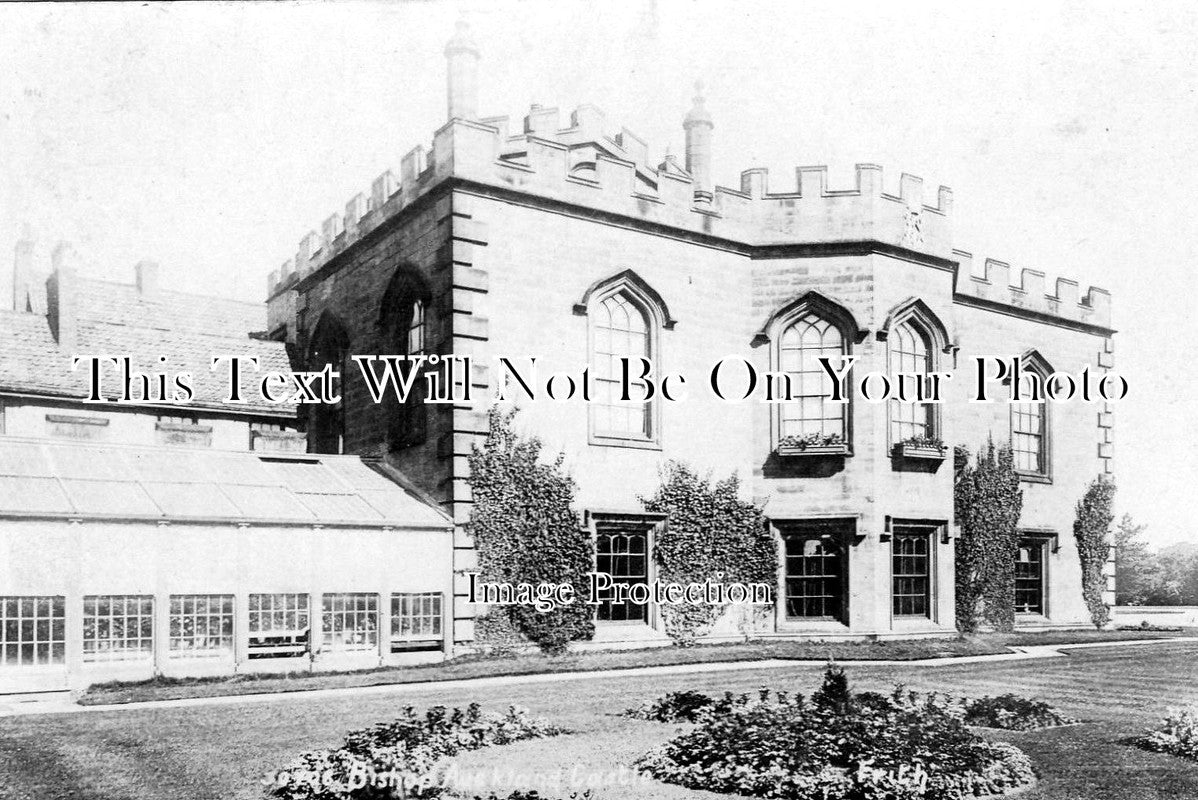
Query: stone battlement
[[593, 166], [586, 165], [1067, 302]]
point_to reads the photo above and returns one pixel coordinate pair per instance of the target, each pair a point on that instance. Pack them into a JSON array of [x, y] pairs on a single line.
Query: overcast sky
[[210, 137]]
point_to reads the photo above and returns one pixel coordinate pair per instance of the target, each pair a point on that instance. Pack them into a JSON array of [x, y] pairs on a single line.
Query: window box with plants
[[927, 448], [813, 444]]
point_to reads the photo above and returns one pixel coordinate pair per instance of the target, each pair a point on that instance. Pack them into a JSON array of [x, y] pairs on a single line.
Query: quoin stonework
[[220, 537]]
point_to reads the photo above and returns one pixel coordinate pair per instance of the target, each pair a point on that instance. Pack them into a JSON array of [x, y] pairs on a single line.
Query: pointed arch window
[[620, 333], [416, 329], [809, 413], [625, 316], [805, 421], [404, 321], [911, 352], [326, 422], [1030, 442]]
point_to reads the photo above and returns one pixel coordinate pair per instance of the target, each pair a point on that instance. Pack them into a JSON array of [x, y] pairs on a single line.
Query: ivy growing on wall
[[711, 534], [526, 531], [1092, 530], [987, 502]]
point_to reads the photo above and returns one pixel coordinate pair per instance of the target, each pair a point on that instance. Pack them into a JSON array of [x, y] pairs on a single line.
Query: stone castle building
[[339, 536], [560, 239]]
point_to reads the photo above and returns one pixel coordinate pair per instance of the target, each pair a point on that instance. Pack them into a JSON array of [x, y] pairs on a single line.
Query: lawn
[[220, 751], [473, 667]]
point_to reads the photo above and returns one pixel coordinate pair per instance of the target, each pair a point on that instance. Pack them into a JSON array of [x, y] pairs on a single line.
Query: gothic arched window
[[404, 323], [808, 412], [625, 316], [329, 346], [620, 332], [1029, 421], [911, 352]]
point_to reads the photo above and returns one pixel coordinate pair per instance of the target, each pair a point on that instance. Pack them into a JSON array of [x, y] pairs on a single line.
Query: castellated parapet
[[1066, 301], [587, 165]]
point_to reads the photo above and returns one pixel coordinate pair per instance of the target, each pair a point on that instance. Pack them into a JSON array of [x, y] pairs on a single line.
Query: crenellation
[[998, 274], [755, 182], [330, 230], [1067, 292], [811, 181], [382, 189], [994, 285], [355, 209], [911, 191], [541, 121], [583, 166], [1031, 284]]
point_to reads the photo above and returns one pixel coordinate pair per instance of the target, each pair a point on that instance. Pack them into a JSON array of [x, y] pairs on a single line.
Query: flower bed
[[1013, 713], [836, 746], [1177, 736], [400, 758]]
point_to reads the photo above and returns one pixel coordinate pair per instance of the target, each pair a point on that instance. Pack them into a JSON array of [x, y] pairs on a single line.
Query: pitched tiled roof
[[105, 481], [116, 318]]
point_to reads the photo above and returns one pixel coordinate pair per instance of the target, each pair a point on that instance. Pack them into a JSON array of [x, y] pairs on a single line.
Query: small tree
[[526, 531], [1135, 566], [988, 502], [710, 535], [1092, 530]]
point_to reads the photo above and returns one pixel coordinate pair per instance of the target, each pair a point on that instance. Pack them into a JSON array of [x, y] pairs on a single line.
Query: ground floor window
[[1029, 577], [32, 631], [415, 621], [118, 627], [911, 570], [201, 625], [350, 622], [279, 626], [625, 556], [816, 570]]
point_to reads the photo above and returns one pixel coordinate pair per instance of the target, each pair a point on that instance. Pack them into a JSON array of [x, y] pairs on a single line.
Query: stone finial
[[698, 127], [461, 57]]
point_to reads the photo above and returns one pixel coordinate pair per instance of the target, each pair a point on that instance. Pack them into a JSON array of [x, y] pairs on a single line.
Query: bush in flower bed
[[1013, 713], [1177, 736], [400, 759], [839, 746], [683, 706]]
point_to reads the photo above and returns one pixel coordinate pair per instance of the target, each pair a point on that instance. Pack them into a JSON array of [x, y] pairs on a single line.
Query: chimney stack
[[147, 278], [22, 273], [62, 297], [698, 126], [461, 60]]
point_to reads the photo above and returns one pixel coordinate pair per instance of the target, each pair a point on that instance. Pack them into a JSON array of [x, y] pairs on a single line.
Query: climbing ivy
[[1092, 530], [988, 502], [710, 534], [526, 531]]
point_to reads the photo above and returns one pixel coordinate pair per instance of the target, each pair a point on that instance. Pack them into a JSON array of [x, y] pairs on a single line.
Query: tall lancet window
[[911, 353], [620, 330], [326, 422], [404, 323], [1030, 423], [416, 329], [808, 412]]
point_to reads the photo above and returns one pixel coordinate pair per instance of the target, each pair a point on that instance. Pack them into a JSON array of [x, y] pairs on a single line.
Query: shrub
[[710, 535], [681, 706], [401, 756], [1092, 530], [526, 531], [839, 746], [1013, 713], [987, 502], [1177, 736]]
